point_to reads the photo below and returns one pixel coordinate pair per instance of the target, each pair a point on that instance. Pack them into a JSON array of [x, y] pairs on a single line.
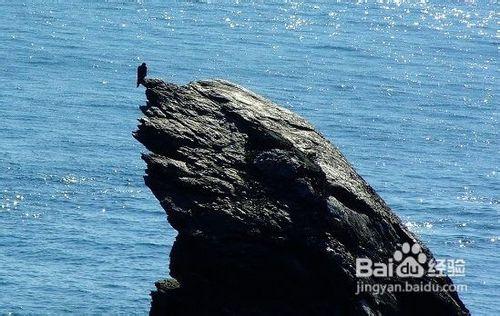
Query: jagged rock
[[270, 216]]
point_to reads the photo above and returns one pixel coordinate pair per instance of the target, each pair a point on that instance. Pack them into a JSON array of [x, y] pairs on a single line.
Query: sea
[[408, 90]]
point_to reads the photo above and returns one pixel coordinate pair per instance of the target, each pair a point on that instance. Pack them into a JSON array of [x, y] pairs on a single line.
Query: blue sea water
[[406, 89]]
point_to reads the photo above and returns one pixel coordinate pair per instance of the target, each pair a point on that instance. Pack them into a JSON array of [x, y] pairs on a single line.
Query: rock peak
[[270, 215]]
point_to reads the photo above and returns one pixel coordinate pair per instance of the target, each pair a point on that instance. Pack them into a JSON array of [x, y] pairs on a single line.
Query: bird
[[142, 72]]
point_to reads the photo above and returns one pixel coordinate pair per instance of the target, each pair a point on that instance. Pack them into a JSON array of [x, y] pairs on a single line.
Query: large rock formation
[[270, 216]]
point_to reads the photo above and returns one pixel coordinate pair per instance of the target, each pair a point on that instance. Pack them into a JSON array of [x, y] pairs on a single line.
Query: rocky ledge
[[270, 216]]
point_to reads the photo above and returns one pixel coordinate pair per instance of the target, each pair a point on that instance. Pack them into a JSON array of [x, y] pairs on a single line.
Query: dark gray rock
[[270, 216]]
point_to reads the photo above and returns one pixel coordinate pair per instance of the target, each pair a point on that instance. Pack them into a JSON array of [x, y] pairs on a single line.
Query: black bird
[[142, 72]]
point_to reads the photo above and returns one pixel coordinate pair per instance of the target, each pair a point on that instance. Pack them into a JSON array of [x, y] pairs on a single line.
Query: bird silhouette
[[142, 72]]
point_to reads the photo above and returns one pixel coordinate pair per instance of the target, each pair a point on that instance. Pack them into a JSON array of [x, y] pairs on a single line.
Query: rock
[[270, 216]]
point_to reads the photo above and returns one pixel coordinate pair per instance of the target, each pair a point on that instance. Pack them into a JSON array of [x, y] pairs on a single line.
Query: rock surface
[[270, 216]]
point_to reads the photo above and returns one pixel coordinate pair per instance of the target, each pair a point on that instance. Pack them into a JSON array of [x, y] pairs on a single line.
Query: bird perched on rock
[[142, 72]]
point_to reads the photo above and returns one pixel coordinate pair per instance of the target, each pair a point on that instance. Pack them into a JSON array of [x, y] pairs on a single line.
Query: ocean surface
[[408, 90]]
